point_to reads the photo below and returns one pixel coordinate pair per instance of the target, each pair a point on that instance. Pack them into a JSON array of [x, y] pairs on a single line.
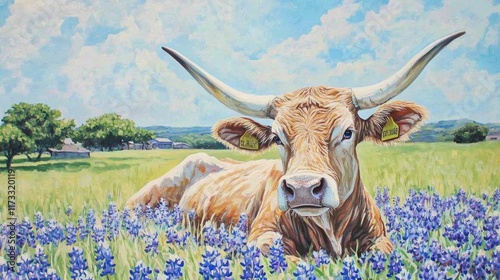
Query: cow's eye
[[277, 140], [347, 134]]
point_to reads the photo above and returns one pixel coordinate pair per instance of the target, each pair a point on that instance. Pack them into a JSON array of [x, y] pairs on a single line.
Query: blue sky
[[87, 58]]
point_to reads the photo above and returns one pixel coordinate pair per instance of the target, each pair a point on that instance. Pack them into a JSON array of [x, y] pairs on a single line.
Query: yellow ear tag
[[249, 142], [390, 130]]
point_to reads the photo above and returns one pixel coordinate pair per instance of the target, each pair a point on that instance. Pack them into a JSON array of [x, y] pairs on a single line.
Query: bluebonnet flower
[[162, 213], [191, 214], [39, 221], [125, 217], [494, 263], [173, 267], [5, 273], [396, 265], [210, 234], [69, 210], [461, 261], [481, 270], [42, 236], [252, 266], [31, 239], [138, 211], [321, 258], [140, 271], [431, 271], [40, 262], [105, 260], [82, 229], [382, 197], [134, 227], [176, 215], [51, 275], [78, 264], [90, 219], [435, 251], [491, 227], [98, 234], [349, 270], [70, 234], [238, 237], [277, 261], [213, 266], [113, 221], [304, 271], [151, 239], [55, 231], [378, 262], [477, 208], [25, 267], [23, 230], [149, 213]]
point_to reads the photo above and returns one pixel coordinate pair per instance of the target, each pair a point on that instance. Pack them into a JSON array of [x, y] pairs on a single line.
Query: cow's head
[[317, 129]]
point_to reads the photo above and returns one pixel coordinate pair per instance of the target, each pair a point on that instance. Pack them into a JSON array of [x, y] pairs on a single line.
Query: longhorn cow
[[314, 197]]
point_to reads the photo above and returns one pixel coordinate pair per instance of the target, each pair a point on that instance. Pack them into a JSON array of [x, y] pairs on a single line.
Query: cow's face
[[316, 131]]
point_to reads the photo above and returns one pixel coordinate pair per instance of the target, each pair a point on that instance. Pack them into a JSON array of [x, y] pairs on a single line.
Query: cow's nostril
[[319, 190], [289, 191]]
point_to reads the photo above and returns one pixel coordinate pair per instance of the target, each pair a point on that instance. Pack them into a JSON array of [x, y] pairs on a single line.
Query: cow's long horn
[[246, 104], [377, 94]]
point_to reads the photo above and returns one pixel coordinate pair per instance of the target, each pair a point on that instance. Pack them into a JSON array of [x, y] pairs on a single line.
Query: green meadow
[[51, 185]]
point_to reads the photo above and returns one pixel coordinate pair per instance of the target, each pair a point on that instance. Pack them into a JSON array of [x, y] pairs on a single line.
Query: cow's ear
[[243, 134], [394, 122]]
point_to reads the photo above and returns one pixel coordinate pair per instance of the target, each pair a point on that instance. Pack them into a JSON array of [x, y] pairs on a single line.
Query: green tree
[[107, 131], [39, 122], [470, 133], [143, 136], [13, 142]]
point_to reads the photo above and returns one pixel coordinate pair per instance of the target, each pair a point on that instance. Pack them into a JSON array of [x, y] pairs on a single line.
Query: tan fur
[[307, 117]]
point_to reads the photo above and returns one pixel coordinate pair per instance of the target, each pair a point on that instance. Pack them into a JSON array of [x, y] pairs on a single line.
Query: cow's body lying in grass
[[314, 196]]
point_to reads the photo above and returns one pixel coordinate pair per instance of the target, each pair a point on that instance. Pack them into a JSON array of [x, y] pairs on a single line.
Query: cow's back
[[224, 195]]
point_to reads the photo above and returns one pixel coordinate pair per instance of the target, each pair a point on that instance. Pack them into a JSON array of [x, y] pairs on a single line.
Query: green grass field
[[50, 186]]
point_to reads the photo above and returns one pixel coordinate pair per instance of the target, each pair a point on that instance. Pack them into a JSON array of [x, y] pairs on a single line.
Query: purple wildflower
[[69, 210], [90, 219], [40, 262], [491, 227], [480, 268], [39, 221], [430, 270], [5, 272], [78, 264], [173, 267], [395, 264], [252, 266], [213, 266], [70, 234], [84, 232], [378, 262], [304, 271], [140, 271], [321, 258], [98, 234], [105, 260], [277, 261], [151, 240], [349, 271], [25, 267]]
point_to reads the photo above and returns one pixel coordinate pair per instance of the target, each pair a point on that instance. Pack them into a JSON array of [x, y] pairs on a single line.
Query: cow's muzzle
[[307, 194]]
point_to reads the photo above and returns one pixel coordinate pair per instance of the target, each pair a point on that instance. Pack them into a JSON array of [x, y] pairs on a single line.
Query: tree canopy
[[13, 142], [40, 123], [470, 133], [107, 131]]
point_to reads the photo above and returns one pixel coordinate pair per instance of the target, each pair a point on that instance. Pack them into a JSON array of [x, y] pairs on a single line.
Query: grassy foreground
[[50, 186]]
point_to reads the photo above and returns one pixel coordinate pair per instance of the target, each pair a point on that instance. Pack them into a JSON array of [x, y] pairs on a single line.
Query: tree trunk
[[29, 158], [39, 155], [9, 162]]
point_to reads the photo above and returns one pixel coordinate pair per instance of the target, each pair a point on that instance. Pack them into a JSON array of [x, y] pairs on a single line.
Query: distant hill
[[173, 132], [443, 130], [432, 132]]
